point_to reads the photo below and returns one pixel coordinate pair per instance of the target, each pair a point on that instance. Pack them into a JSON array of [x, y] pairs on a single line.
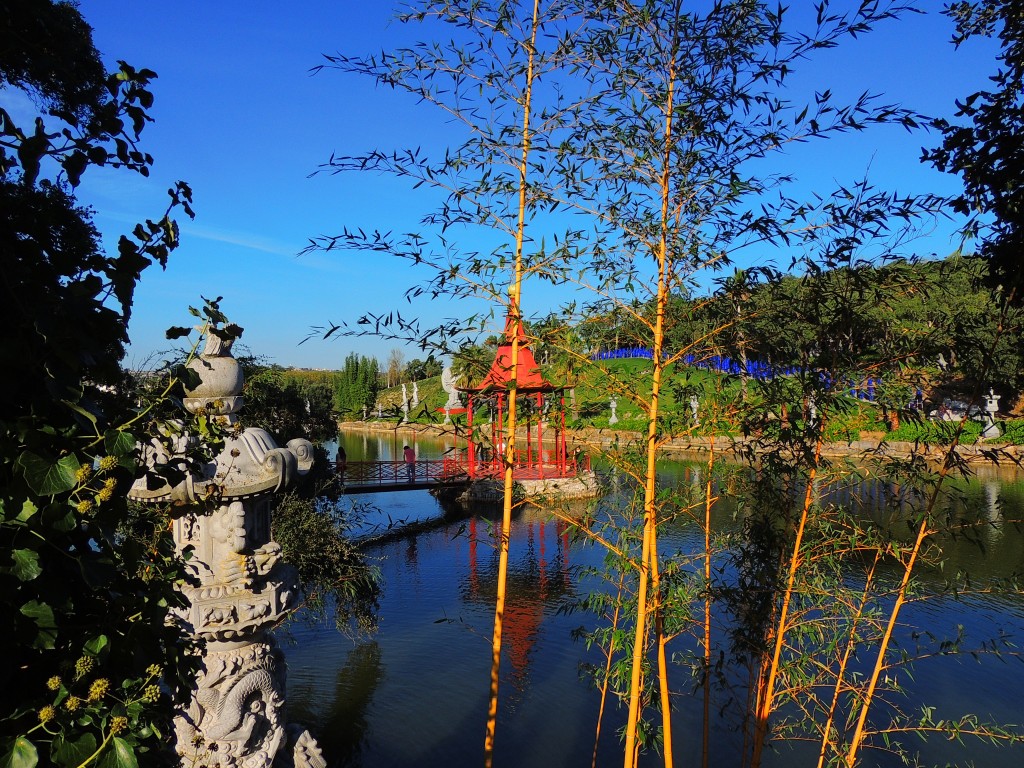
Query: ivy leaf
[[74, 165], [42, 615], [72, 753], [48, 479], [96, 645], [177, 332], [59, 517], [22, 754], [26, 564], [90, 417], [28, 509], [118, 443], [120, 755]]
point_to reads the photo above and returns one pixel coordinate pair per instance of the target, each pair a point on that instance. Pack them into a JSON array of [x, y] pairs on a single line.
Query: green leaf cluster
[[356, 386], [86, 584]]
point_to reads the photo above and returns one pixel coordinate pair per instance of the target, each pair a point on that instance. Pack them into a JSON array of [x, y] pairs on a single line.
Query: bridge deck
[[384, 476], [413, 485]]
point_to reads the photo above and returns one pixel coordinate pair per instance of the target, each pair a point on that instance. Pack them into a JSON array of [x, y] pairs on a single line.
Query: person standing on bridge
[[410, 463], [340, 462]]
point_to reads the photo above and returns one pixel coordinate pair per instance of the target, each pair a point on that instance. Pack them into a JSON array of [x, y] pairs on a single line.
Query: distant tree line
[[915, 311]]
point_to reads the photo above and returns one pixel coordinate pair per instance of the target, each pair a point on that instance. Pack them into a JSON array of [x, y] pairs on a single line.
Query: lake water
[[415, 693]]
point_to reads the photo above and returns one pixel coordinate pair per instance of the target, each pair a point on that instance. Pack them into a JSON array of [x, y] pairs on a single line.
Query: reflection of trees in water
[[975, 546], [979, 545], [355, 687], [984, 535], [539, 582]]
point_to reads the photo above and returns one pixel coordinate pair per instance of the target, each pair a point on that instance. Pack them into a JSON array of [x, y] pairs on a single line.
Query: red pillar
[[529, 446], [499, 451], [470, 447], [540, 433], [562, 452]]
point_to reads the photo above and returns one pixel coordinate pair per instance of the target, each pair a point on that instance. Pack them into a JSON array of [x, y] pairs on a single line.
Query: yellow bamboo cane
[[515, 311]]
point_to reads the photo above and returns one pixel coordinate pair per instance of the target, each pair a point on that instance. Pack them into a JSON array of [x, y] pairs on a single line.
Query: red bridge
[[456, 469], [377, 476]]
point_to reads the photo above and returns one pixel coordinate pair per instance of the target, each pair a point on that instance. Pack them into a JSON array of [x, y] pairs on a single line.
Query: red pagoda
[[542, 405]]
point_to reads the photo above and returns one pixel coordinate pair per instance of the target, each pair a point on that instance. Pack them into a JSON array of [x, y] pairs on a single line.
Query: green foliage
[[287, 405], [1013, 431], [417, 369], [87, 647], [936, 432], [314, 534], [47, 47], [356, 386], [985, 152]]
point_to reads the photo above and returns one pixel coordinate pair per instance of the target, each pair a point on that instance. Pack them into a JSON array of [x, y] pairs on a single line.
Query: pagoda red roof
[[529, 378]]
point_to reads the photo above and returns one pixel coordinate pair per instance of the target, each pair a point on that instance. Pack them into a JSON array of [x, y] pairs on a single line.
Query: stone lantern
[[238, 587], [991, 430]]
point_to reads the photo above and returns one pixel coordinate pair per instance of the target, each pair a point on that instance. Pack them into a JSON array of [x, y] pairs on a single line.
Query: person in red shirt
[[410, 463]]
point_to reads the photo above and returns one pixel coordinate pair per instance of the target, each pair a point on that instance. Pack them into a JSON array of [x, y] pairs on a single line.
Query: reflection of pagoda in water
[[538, 583]]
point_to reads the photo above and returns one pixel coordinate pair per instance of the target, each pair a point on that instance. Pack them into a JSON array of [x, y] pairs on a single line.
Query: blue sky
[[240, 118]]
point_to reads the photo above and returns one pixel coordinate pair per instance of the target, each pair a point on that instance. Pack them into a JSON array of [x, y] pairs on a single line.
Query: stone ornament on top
[[239, 588]]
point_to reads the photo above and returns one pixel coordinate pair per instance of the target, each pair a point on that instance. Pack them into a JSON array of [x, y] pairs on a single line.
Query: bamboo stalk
[[608, 668], [923, 531], [515, 312], [650, 538], [663, 689], [851, 644], [767, 693], [706, 723]]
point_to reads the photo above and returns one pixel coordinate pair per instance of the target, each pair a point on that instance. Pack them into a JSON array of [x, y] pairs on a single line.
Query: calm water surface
[[415, 693]]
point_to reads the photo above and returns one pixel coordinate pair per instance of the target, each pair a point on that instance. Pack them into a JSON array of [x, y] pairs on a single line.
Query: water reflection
[[535, 586], [417, 693], [356, 685]]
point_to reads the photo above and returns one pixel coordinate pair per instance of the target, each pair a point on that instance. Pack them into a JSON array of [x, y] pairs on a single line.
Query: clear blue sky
[[239, 117]]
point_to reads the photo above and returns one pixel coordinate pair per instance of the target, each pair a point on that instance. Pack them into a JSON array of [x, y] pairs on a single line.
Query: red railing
[[455, 466], [393, 472], [527, 465]]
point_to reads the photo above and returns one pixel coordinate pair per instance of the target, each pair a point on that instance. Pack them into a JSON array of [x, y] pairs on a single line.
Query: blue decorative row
[[755, 369]]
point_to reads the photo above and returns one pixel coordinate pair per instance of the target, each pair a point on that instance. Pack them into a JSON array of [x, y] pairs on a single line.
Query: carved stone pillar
[[239, 587]]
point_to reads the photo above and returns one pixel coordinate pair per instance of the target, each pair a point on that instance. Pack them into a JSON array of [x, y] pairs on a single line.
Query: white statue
[[415, 394], [405, 401], [448, 382], [693, 407], [613, 404]]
